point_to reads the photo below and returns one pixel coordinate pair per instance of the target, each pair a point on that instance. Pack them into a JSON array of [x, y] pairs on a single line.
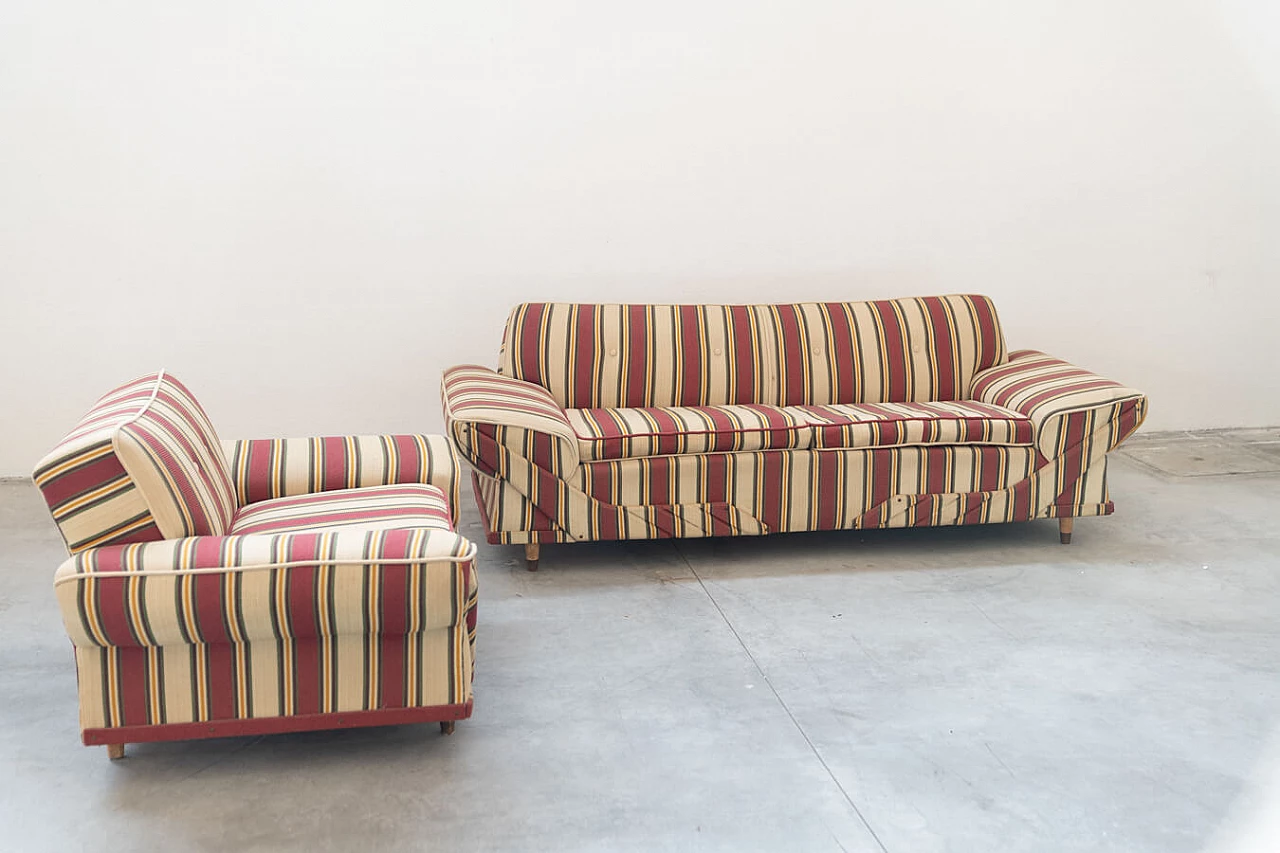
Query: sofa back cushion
[[143, 464], [815, 353]]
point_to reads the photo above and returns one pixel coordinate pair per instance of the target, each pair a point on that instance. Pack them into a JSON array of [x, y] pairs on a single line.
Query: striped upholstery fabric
[[632, 356], [144, 463], [658, 431], [889, 424], [490, 417], [1046, 390], [240, 627], [267, 468], [372, 508], [798, 490]]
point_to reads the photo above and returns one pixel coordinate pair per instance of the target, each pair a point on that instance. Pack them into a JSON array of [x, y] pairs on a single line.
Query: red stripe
[[660, 480], [893, 359], [845, 365], [691, 340], [410, 464], [773, 485], [828, 490], [944, 356], [794, 366], [86, 478], [988, 329], [637, 350], [936, 477], [528, 349], [300, 605], [222, 682], [113, 607], [393, 617], [131, 681], [210, 606], [306, 670], [715, 484], [391, 685], [333, 463], [582, 359], [880, 463], [743, 357], [260, 456]]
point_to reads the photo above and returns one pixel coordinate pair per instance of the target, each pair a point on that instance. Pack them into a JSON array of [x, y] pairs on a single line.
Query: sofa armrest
[[265, 468], [238, 589], [1048, 391], [491, 416]]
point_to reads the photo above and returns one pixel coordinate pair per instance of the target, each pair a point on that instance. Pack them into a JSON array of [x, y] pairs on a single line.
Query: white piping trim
[[155, 392], [466, 557]]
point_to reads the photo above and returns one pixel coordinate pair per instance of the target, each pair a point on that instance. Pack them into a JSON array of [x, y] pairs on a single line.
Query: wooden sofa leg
[[1064, 529], [531, 556], [115, 751], [446, 727]]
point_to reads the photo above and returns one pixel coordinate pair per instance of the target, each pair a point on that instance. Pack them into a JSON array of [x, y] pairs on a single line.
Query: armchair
[[309, 584]]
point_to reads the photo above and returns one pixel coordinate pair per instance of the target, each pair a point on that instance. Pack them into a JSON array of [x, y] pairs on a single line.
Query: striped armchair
[[255, 587], [651, 421]]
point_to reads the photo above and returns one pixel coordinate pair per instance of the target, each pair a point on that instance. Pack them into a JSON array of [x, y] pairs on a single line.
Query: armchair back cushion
[[143, 464], [818, 353]]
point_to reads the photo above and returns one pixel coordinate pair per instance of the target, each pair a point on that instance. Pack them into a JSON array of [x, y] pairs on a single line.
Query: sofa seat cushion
[[896, 424], [625, 433], [372, 508]]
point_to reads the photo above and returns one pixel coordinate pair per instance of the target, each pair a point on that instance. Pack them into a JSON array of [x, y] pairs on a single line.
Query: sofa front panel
[[805, 490], [157, 685]]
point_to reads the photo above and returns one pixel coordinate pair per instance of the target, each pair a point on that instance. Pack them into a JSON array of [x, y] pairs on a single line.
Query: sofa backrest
[[814, 353], [143, 464]]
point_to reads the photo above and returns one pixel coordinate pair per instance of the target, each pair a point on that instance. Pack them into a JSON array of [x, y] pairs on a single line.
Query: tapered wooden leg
[[1064, 529], [446, 727], [115, 751], [531, 556]]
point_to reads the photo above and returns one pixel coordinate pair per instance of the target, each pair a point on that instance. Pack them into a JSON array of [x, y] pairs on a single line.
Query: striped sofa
[[252, 587], [653, 421]]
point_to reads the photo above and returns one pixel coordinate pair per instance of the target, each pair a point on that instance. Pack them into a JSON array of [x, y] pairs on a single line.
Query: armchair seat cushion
[[372, 508], [625, 433], [897, 424]]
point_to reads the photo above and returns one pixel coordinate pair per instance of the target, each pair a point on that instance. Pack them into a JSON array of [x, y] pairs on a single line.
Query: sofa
[[256, 587], [654, 421]]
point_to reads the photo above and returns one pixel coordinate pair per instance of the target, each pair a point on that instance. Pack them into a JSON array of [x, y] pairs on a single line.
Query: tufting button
[[613, 351], [716, 351]]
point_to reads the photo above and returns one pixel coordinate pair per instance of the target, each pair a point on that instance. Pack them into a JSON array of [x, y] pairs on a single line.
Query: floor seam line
[[782, 702]]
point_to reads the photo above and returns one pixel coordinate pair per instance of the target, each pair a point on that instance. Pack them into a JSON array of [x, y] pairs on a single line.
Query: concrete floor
[[979, 689]]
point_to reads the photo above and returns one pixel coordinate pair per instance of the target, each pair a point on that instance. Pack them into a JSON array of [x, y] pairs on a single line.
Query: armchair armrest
[[491, 416], [1048, 390], [237, 589], [265, 468]]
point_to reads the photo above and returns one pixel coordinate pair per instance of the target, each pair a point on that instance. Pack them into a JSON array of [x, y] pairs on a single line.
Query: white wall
[[308, 210]]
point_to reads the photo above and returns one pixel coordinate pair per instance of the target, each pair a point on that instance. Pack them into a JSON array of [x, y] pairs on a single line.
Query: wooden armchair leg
[[115, 751], [531, 556], [1064, 529], [446, 727]]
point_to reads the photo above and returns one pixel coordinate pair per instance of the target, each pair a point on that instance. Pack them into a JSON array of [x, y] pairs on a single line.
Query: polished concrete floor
[[974, 689]]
